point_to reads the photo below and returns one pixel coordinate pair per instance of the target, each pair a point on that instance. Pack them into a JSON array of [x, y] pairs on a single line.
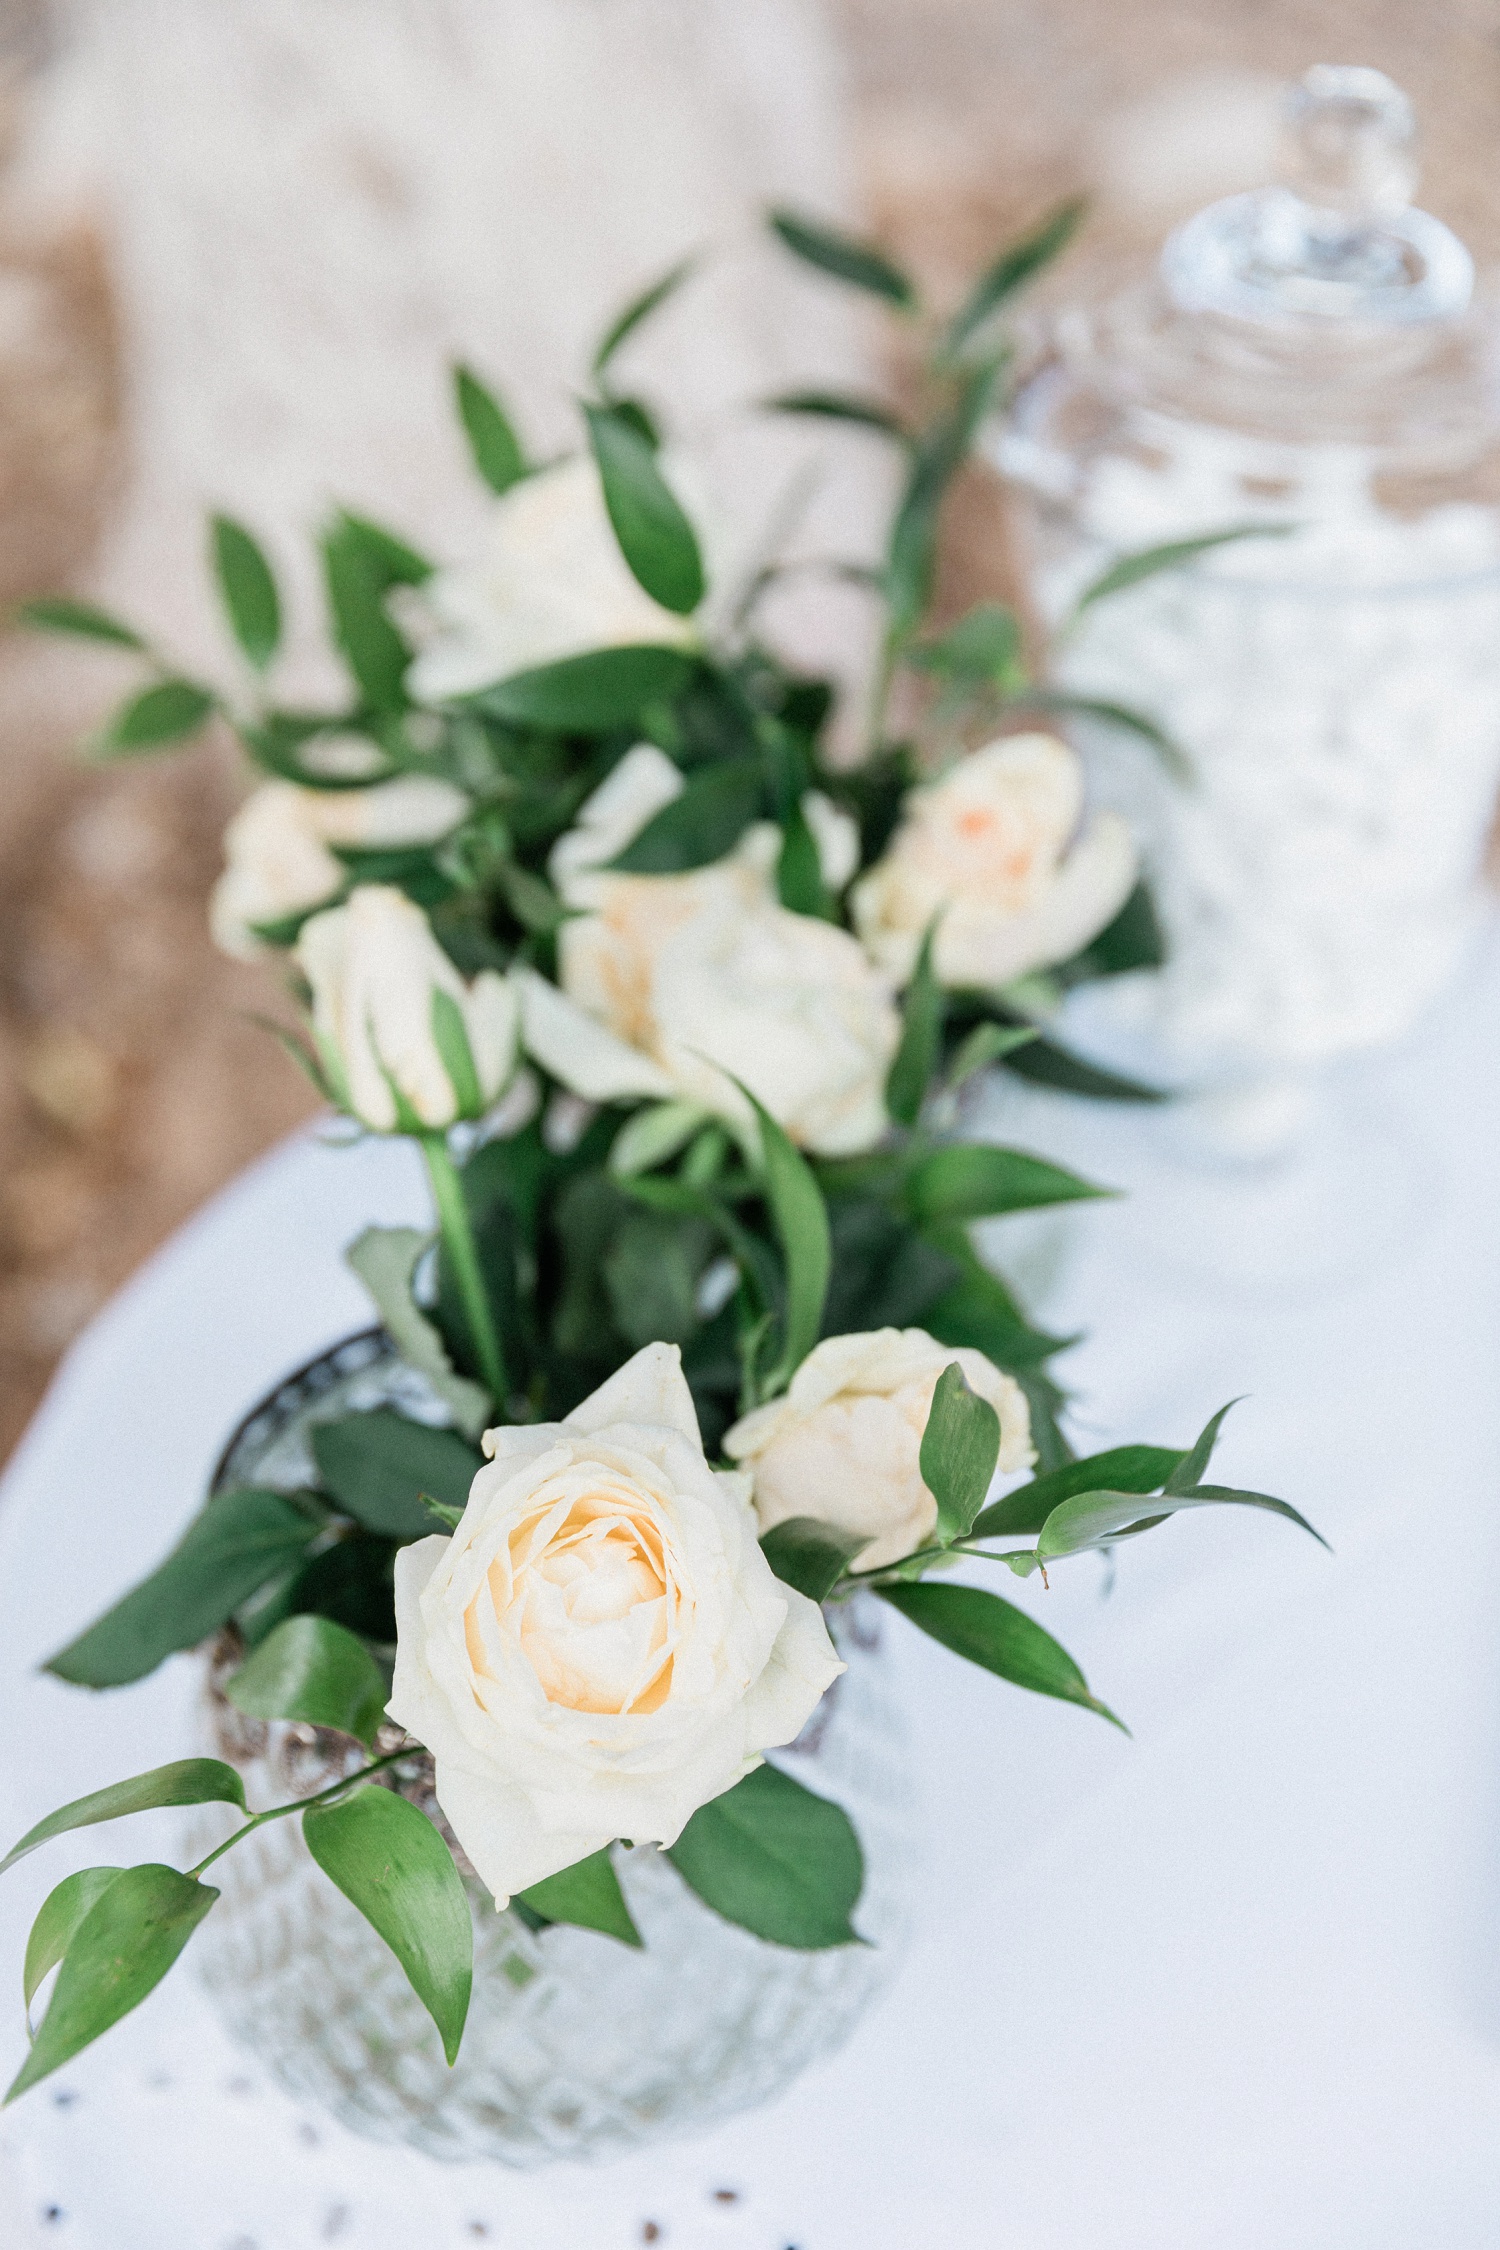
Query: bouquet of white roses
[[681, 1014]]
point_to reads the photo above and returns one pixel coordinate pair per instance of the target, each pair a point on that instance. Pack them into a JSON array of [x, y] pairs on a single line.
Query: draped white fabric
[[1232, 1982]]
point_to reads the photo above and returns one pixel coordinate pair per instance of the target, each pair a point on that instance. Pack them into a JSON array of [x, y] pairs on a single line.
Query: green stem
[[301, 1804], [458, 1241]]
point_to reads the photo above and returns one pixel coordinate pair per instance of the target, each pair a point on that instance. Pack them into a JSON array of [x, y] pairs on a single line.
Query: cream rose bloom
[[991, 847], [668, 982], [375, 970], [551, 583], [845, 1442], [278, 847], [601, 1647]]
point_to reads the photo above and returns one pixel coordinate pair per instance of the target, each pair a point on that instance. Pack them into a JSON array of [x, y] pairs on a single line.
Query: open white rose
[[278, 847], [674, 981], [404, 1039], [601, 1647], [551, 583], [991, 847], [845, 1442]]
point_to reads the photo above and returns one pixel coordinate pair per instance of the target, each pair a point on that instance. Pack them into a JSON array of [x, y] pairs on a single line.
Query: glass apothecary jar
[[1306, 363]]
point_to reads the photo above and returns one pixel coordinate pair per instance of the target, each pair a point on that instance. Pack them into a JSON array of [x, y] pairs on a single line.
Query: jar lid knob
[[1337, 236]]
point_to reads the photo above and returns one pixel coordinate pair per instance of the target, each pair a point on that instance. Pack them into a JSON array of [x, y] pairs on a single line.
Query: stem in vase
[[463, 1254]]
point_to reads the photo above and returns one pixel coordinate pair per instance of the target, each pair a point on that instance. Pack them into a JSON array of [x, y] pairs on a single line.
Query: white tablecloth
[[1233, 1983]]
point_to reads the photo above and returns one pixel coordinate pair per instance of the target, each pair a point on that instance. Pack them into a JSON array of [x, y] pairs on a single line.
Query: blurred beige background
[[131, 1083]]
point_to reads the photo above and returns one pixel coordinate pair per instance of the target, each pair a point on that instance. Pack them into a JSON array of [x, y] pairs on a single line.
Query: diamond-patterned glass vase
[[576, 2046]]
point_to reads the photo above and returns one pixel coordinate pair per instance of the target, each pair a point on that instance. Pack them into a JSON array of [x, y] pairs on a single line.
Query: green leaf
[[1189, 1470], [161, 714], [1174, 759], [777, 1859], [921, 1039], [248, 590], [810, 1555], [1124, 1468], [387, 556], [997, 1636], [1043, 1063], [587, 1894], [987, 1043], [313, 1670], [235, 1544], [980, 1311], [386, 1260], [1015, 265], [450, 1036], [119, 1952], [1095, 1519], [81, 620], [983, 647], [55, 1926], [1133, 940], [960, 1446], [837, 406], [1150, 562], [493, 442], [799, 868], [390, 1862], [650, 1135], [188, 1781], [941, 452], [357, 583], [636, 312], [970, 1180], [656, 539], [377, 1464], [591, 694], [800, 1218], [701, 825], [847, 260]]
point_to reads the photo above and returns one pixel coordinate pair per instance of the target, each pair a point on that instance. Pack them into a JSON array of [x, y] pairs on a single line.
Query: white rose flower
[[278, 847], [551, 583], [404, 1040], [601, 1647], [988, 846], [845, 1442]]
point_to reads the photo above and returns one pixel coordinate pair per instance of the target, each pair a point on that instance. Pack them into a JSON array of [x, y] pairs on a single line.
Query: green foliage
[[833, 252], [810, 1555], [936, 458], [838, 406], [1124, 1468], [777, 1859], [358, 573], [118, 1953], [312, 1670], [377, 1464], [54, 1929], [960, 1447], [78, 621], [497, 451], [638, 311], [984, 647], [587, 1894], [229, 1551], [390, 1862], [1149, 562], [998, 1637], [386, 1260], [655, 536], [800, 1218], [701, 825], [248, 591], [164, 714], [969, 1180], [1015, 266], [188, 1781], [609, 687], [923, 1009]]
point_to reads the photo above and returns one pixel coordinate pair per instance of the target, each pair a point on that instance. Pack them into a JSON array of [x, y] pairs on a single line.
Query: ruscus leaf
[[587, 1894], [376, 1464], [167, 712], [701, 824], [492, 440], [386, 1260], [608, 687], [1125, 1468], [810, 1555], [248, 590], [187, 1781], [971, 1180], [998, 1637], [836, 253], [1015, 265], [777, 1859], [800, 1218], [312, 1670], [390, 1862], [80, 620], [960, 1446], [921, 1039], [119, 1952], [640, 310], [655, 537]]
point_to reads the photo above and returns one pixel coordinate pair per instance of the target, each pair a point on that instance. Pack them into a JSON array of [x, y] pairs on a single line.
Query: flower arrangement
[[681, 1014]]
